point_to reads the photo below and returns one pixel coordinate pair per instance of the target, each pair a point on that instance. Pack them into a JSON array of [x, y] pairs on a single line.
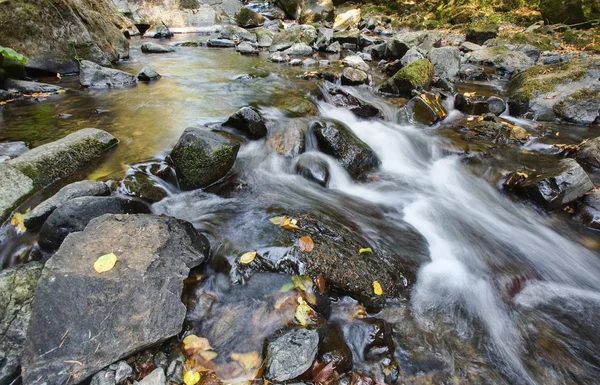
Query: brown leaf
[[321, 284], [360, 379], [321, 372], [306, 243]]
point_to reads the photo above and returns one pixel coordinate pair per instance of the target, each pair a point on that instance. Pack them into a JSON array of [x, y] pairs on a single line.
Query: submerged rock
[[155, 48], [313, 168], [297, 106], [246, 48], [221, 43], [203, 156], [134, 305], [354, 77], [249, 121], [29, 87], [140, 185], [334, 349], [288, 140], [291, 354], [94, 76], [148, 74], [13, 149]]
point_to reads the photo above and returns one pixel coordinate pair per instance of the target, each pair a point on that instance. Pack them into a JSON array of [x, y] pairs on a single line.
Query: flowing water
[[508, 294]]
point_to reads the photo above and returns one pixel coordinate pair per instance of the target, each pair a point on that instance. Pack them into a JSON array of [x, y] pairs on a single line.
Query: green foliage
[[10, 53]]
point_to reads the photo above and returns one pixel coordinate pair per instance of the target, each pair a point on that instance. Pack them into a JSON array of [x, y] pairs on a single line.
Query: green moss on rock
[[418, 74]]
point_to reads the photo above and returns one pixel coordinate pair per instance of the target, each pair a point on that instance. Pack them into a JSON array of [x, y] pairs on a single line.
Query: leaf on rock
[[193, 342], [377, 288], [191, 378], [208, 355], [247, 257], [290, 224], [302, 282], [321, 284], [303, 312], [278, 220], [105, 263], [287, 287], [248, 360], [321, 372], [17, 221], [365, 250], [306, 243]]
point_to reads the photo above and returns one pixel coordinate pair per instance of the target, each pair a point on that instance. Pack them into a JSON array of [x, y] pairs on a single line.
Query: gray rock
[[355, 61], [74, 215], [247, 18], [398, 45], [313, 168], [446, 61], [104, 377], [334, 47], [472, 72], [123, 372], [502, 58], [28, 87], [303, 33], [175, 368], [64, 157], [157, 377], [412, 55], [296, 62], [161, 360], [376, 51], [309, 62], [202, 157], [354, 77], [221, 43], [581, 107], [155, 48], [245, 48], [15, 187], [13, 149], [279, 57], [324, 36], [589, 152], [467, 46], [148, 74], [426, 110], [365, 56], [588, 212], [17, 288], [233, 32], [248, 120], [299, 49], [94, 76], [496, 105], [291, 354], [338, 140], [479, 33], [134, 305], [84, 188]]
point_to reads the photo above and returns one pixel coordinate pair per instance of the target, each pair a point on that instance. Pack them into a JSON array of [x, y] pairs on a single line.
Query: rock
[[248, 120], [411, 56], [104, 377], [155, 48], [479, 33], [290, 354], [288, 140], [28, 87], [309, 62], [467, 46], [414, 77], [94, 76], [334, 47], [235, 33], [264, 37], [355, 61], [324, 36], [334, 349], [64, 157], [134, 305], [148, 74], [398, 45], [17, 288], [299, 49], [338, 140], [502, 58], [350, 38], [426, 110], [354, 77], [159, 32], [13, 149], [295, 62], [247, 18], [221, 43], [140, 185], [496, 105], [446, 62], [346, 20], [358, 106], [74, 215], [202, 157], [376, 51], [123, 372], [84, 188], [297, 106], [175, 369], [582, 106], [555, 187], [50, 34], [471, 72], [303, 33], [156, 377], [396, 49], [279, 57], [307, 11], [245, 48], [569, 11], [588, 212], [588, 153], [15, 187], [365, 56], [313, 168]]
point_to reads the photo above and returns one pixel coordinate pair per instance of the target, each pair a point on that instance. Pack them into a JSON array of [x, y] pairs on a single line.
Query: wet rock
[[295, 62], [313, 168], [411, 56], [355, 61], [123, 372], [555, 187], [203, 156], [354, 77], [291, 354], [104, 377], [284, 39], [589, 153], [309, 62], [365, 56], [64, 157], [140, 185], [504, 60], [347, 38], [588, 212], [158, 31], [398, 45], [414, 77], [490, 129], [396, 49], [155, 48], [347, 20], [74, 215], [121, 312], [581, 106], [249, 121], [175, 369], [472, 72], [13, 149], [426, 109], [496, 105], [247, 18], [338, 140], [342, 98], [288, 141], [376, 51], [334, 47], [307, 11], [446, 62], [279, 57], [209, 378], [334, 349], [15, 187], [156, 377], [245, 48], [479, 33], [29, 87], [324, 36], [17, 288], [235, 33], [94, 76], [148, 74], [264, 37], [41, 212], [297, 106], [221, 43], [299, 49]]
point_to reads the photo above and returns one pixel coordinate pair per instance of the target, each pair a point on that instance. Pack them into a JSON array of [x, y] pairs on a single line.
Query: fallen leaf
[[302, 282], [248, 360], [522, 174], [58, 75], [558, 134], [377, 288], [247, 257], [287, 287], [105, 263], [208, 355], [303, 312], [17, 221], [191, 378], [322, 373], [290, 224], [321, 284], [306, 243], [278, 220], [193, 342], [365, 250]]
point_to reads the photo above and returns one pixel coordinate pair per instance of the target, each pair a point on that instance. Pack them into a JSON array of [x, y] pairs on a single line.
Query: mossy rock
[[247, 18], [297, 106], [416, 75], [582, 106], [481, 32], [203, 156], [562, 11]]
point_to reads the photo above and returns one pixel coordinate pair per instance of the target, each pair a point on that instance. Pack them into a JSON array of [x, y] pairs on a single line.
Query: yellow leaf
[[278, 220], [248, 360], [196, 343], [191, 378], [248, 257], [289, 224], [287, 287], [17, 221], [302, 282], [524, 175], [105, 263], [58, 75], [306, 243], [377, 288], [303, 312], [208, 355], [61, 91], [365, 250]]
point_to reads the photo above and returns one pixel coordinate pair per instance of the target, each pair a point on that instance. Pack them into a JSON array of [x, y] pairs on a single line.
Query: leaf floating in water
[[287, 287], [105, 263], [303, 312], [302, 282], [365, 250], [208, 355], [306, 243], [191, 378], [377, 288], [247, 257], [248, 360], [278, 220], [290, 224], [193, 342], [17, 221]]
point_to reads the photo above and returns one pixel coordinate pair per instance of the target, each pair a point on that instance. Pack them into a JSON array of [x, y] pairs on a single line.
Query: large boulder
[[446, 62], [75, 214], [569, 11], [52, 33], [94, 76], [504, 60], [202, 157], [249, 121], [307, 11], [290, 354], [247, 18], [588, 153], [15, 187], [150, 47], [338, 140], [17, 288], [416, 76], [347, 20], [284, 39], [96, 319]]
